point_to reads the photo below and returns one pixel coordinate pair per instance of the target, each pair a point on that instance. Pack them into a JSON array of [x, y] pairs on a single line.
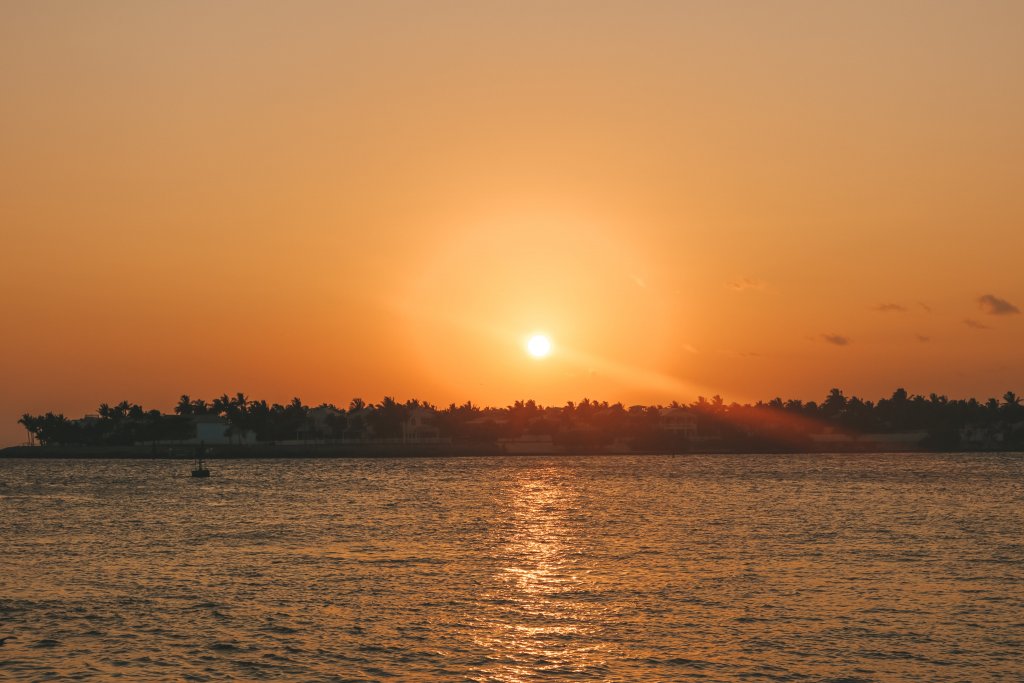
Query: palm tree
[[992, 406], [387, 418], [1011, 406], [184, 406], [220, 405], [834, 403], [31, 424], [236, 410]]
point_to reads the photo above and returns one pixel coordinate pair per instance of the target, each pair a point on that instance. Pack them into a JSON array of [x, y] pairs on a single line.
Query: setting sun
[[538, 346]]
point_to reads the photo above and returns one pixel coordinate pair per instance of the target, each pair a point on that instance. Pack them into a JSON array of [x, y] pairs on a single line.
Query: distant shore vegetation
[[838, 422]]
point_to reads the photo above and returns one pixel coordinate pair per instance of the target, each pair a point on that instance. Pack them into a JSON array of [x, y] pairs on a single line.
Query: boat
[[199, 469]]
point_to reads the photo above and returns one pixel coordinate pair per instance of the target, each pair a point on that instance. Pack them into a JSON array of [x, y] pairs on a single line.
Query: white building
[[419, 426], [679, 421], [215, 430]]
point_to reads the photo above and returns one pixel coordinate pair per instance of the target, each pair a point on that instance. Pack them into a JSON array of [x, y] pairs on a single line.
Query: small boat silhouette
[[199, 469]]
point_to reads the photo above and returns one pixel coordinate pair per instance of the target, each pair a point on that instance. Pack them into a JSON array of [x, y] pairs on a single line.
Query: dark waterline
[[798, 567]]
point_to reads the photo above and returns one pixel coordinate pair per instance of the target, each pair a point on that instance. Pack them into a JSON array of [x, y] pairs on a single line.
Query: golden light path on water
[[544, 618], [644, 568]]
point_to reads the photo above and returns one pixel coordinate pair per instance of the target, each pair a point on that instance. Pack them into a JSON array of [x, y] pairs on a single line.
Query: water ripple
[[714, 568]]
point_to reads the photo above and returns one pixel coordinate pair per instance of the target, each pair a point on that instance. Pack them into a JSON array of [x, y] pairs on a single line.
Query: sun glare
[[538, 346]]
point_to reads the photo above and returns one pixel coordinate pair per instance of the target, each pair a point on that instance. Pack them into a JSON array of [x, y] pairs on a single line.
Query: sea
[[815, 567]]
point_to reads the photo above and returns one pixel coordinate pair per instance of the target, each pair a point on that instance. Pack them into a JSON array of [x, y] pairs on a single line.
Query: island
[[237, 426]]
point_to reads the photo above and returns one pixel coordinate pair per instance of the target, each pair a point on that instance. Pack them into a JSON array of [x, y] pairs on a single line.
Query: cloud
[[974, 324], [993, 305], [890, 308], [924, 307], [746, 283], [837, 339], [923, 338], [740, 354]]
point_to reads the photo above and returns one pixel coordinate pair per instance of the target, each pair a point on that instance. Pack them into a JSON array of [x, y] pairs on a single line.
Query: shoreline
[[353, 451]]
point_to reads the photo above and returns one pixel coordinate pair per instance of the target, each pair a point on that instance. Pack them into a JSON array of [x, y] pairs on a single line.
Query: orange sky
[[331, 200]]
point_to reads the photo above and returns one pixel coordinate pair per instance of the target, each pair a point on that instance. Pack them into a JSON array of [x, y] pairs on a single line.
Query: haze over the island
[[332, 200]]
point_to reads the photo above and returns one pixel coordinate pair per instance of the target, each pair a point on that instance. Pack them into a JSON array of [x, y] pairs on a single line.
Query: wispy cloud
[[923, 338], [890, 308], [924, 307], [975, 325], [837, 339], [740, 354], [746, 283], [993, 305]]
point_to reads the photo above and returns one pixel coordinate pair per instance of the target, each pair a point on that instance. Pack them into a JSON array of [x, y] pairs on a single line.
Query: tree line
[[575, 426]]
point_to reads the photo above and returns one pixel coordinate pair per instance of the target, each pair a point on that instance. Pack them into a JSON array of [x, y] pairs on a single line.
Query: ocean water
[[711, 568]]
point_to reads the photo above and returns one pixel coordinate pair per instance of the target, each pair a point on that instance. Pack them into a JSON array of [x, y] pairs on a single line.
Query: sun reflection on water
[[542, 623]]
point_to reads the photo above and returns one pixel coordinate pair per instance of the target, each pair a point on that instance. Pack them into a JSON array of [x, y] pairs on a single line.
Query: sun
[[538, 346]]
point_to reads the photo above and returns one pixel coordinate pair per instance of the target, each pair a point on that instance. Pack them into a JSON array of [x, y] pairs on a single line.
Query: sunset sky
[[340, 199]]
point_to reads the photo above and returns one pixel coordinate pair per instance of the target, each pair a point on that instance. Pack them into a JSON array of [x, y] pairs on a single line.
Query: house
[[982, 437], [678, 421], [419, 426], [216, 430], [321, 424]]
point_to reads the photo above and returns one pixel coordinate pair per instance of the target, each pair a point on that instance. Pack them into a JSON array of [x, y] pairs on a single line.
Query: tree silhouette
[[31, 424], [834, 403], [588, 425]]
